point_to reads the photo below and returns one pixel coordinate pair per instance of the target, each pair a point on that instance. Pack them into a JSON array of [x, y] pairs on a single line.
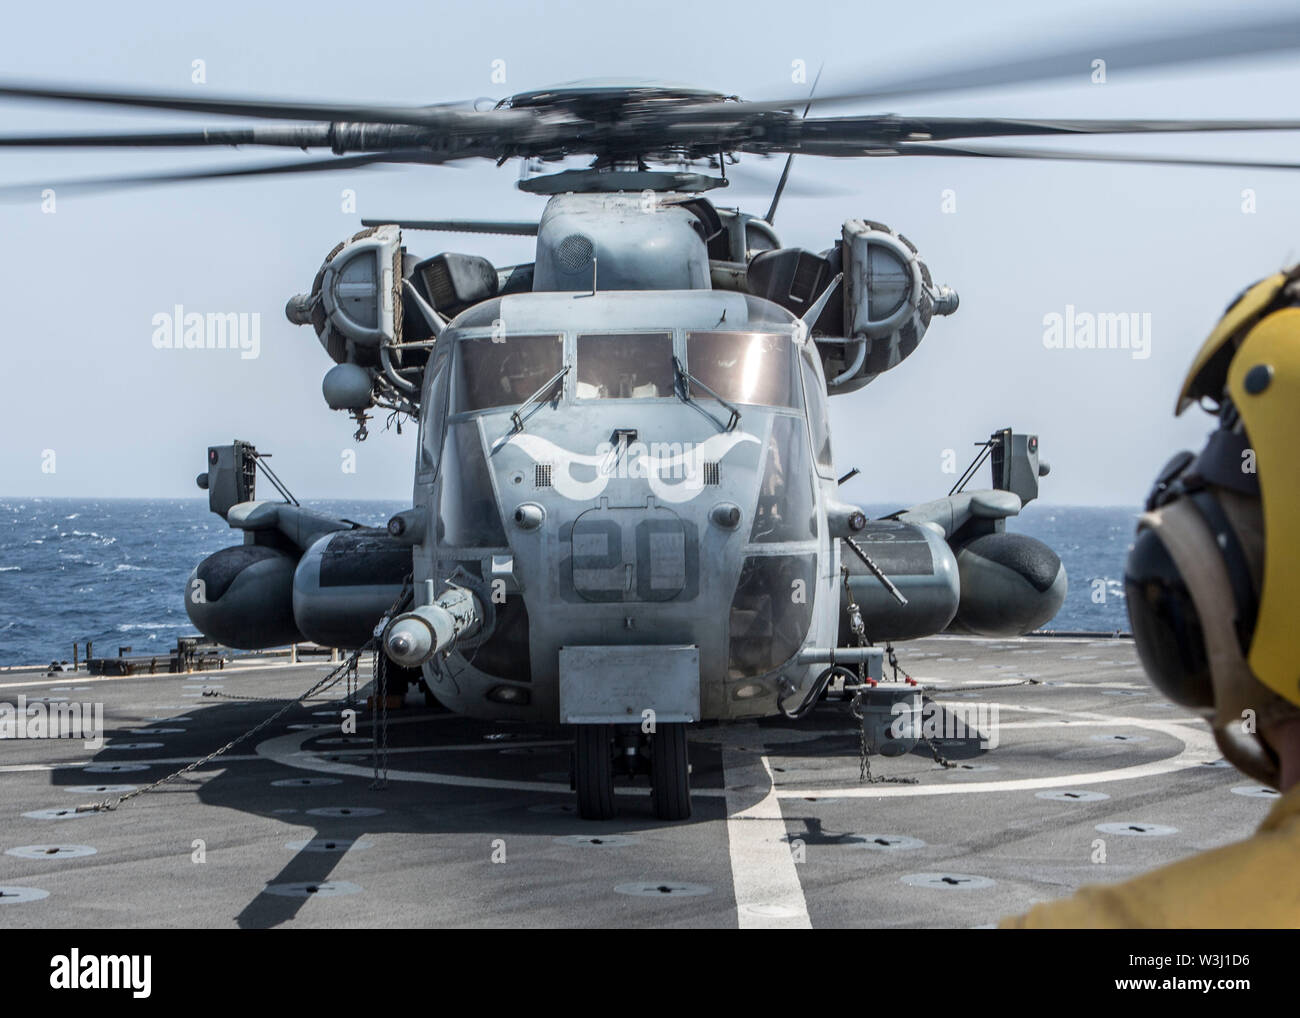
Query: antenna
[[785, 172]]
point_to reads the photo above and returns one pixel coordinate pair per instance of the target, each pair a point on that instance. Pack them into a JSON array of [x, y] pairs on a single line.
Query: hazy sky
[[81, 377]]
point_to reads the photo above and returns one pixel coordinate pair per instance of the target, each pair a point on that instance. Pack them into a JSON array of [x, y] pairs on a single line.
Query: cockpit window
[[743, 367], [818, 416], [504, 371], [625, 365]]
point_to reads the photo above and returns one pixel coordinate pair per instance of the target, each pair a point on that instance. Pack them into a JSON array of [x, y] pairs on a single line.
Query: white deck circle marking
[[328, 845], [1198, 750], [305, 782], [888, 842], [597, 840], [1137, 829], [58, 813], [663, 889], [947, 881], [115, 768], [10, 895], [1256, 791], [323, 889], [345, 812], [50, 851], [1072, 795]]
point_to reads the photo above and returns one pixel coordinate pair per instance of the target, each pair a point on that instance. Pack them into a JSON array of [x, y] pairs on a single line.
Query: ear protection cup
[[1166, 627]]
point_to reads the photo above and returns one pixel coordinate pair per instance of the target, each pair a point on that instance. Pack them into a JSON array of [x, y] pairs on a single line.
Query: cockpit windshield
[[497, 371], [743, 367], [625, 365]]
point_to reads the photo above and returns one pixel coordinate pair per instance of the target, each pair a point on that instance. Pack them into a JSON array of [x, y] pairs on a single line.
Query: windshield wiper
[[684, 382], [518, 416]]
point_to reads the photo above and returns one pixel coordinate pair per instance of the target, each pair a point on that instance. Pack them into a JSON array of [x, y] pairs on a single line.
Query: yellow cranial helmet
[[1213, 580]]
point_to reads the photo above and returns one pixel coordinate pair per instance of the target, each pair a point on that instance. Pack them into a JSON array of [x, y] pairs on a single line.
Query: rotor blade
[[430, 115], [442, 145], [343, 136], [917, 149], [13, 192], [821, 135], [1219, 41], [161, 139], [512, 229]]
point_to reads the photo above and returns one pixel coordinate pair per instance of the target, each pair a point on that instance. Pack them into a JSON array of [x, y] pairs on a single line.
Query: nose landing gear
[[593, 771], [595, 749], [670, 772]]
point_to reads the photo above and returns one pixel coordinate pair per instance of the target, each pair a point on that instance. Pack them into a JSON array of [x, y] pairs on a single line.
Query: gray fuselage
[[620, 513]]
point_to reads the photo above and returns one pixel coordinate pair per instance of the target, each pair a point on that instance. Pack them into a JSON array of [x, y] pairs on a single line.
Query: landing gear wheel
[[431, 702], [398, 680], [594, 771], [670, 772]]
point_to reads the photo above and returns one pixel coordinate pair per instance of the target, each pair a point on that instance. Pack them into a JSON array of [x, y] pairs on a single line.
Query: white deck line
[[763, 870]]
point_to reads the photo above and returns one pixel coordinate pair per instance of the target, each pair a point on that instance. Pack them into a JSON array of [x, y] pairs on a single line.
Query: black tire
[[431, 702], [399, 680], [594, 771], [670, 772]]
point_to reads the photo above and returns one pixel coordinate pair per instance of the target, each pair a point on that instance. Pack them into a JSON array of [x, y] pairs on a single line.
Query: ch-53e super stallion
[[625, 514]]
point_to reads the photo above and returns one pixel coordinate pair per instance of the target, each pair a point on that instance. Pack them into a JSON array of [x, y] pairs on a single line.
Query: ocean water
[[1093, 542], [110, 570], [114, 570]]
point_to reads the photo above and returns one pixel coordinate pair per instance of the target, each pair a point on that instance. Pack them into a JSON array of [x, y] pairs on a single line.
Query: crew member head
[[1213, 580]]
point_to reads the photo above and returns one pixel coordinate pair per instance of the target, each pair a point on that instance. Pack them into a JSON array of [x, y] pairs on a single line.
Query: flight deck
[[1072, 770]]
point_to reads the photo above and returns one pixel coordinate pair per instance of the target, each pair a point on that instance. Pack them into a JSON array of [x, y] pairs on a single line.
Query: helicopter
[[625, 515]]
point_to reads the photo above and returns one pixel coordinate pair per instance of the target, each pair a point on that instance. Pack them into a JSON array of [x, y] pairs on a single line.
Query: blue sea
[[114, 570]]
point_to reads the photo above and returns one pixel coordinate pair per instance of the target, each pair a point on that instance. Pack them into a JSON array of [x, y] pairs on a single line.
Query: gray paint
[[612, 685], [567, 437], [639, 243]]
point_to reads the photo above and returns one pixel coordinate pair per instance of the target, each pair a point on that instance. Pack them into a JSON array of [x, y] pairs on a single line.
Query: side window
[[504, 371], [433, 410], [786, 509], [815, 399], [468, 515]]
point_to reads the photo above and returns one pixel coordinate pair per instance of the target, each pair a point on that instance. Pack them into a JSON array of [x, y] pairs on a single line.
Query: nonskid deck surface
[[1093, 778]]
